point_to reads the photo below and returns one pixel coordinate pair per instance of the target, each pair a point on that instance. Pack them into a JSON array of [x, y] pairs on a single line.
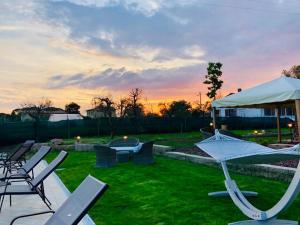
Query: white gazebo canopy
[[276, 92]]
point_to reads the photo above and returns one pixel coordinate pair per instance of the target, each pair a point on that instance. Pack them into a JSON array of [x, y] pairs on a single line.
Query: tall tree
[[213, 79], [294, 72], [180, 109], [72, 108], [107, 106], [177, 109]]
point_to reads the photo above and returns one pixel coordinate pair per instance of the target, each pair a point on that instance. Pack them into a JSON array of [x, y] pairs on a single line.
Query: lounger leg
[[9, 200], [226, 194], [265, 222], [43, 196], [2, 200]]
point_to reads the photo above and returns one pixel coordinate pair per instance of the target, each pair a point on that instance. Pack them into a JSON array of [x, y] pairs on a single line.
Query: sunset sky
[[74, 50]]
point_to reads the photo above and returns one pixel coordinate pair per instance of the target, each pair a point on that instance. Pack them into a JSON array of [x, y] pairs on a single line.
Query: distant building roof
[[62, 117], [49, 110]]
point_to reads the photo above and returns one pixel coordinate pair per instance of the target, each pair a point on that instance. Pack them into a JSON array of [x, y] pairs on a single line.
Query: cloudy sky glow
[[73, 50]]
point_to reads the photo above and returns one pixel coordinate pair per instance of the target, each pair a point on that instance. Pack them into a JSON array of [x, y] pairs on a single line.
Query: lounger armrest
[[28, 215]]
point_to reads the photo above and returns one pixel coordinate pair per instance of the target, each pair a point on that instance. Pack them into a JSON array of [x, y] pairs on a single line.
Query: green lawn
[[175, 140], [168, 192]]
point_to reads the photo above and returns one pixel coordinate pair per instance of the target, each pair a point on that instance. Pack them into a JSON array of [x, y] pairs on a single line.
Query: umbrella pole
[[278, 125], [297, 104]]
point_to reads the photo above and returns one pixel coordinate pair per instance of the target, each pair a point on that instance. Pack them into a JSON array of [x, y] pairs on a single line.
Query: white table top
[[129, 148]]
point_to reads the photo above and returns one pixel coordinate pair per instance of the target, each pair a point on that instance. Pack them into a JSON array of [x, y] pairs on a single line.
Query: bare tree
[[36, 110], [122, 106], [134, 107]]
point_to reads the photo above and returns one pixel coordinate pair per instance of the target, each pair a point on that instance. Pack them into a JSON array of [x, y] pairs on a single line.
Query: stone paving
[[24, 204]]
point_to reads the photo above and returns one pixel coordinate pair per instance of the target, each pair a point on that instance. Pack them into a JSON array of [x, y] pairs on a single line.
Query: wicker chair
[[206, 133], [105, 156], [145, 154]]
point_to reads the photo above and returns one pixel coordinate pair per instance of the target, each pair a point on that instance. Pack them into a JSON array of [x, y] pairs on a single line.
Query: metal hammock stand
[[227, 149]]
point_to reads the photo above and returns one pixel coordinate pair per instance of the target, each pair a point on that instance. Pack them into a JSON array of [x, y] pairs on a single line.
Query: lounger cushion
[[17, 190], [18, 175]]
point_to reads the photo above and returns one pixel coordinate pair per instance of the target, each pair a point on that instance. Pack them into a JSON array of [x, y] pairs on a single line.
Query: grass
[[170, 192], [175, 140], [182, 140], [262, 139]]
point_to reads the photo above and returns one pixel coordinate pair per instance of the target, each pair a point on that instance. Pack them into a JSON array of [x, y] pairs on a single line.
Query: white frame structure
[[256, 216], [268, 217]]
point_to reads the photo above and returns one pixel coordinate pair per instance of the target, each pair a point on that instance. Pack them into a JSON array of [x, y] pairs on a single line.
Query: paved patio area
[[56, 193]]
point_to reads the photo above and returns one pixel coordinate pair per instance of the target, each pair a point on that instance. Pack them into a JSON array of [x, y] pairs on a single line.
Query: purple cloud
[[123, 80]]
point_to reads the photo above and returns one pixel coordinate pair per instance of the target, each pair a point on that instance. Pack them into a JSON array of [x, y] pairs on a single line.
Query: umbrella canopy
[[225, 148], [281, 90]]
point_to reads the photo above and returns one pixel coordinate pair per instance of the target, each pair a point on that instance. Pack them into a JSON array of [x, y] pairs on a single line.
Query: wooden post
[[278, 124], [214, 118], [297, 104]]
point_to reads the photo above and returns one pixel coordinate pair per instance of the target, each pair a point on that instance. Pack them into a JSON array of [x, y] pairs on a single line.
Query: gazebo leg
[[278, 112], [265, 222], [226, 194]]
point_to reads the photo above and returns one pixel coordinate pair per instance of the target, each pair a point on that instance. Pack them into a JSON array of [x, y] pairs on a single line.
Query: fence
[[16, 132]]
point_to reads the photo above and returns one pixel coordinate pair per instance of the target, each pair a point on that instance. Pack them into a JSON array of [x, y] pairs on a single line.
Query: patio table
[[128, 148], [124, 153]]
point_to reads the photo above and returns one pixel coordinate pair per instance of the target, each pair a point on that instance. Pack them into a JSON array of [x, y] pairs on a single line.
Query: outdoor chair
[[34, 186], [105, 156], [23, 171], [145, 154], [76, 206], [206, 133], [15, 159]]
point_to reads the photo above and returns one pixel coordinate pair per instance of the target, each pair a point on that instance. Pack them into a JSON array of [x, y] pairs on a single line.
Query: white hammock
[[225, 148]]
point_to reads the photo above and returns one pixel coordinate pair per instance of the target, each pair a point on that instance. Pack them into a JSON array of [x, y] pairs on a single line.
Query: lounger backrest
[[36, 158], [18, 154], [105, 151], [77, 205], [49, 169]]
